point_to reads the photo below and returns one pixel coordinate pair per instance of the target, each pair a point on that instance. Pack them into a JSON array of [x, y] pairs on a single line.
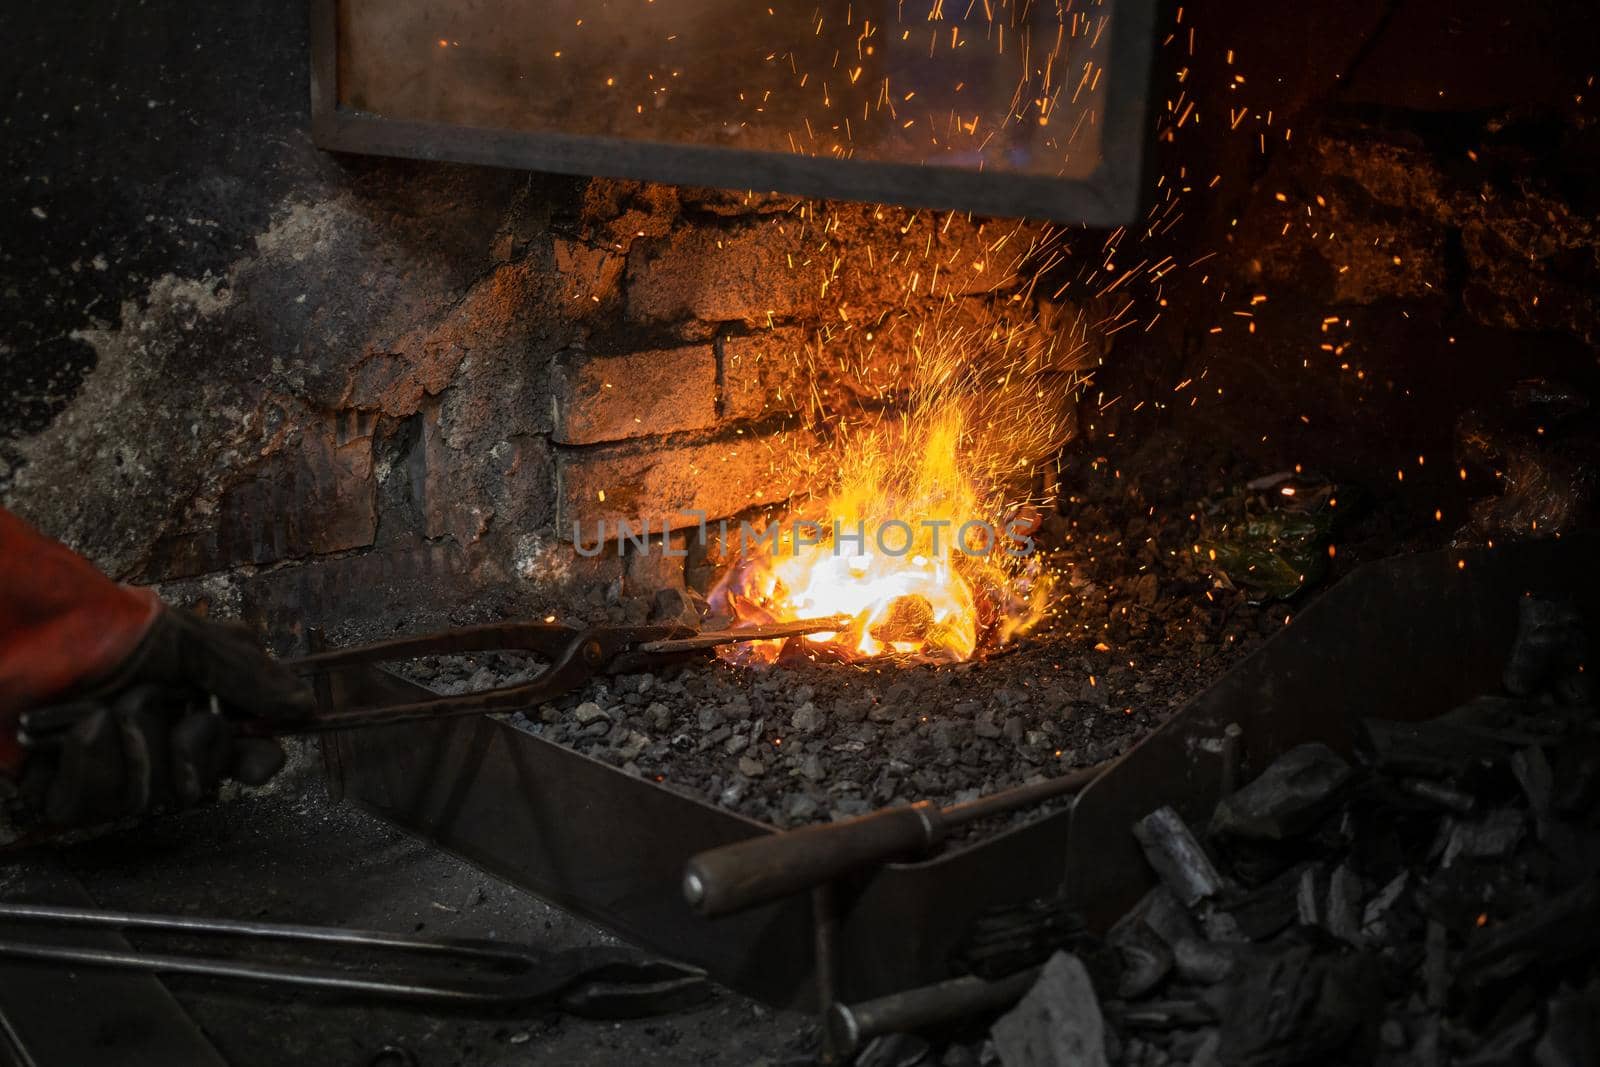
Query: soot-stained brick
[[635, 394], [662, 483]]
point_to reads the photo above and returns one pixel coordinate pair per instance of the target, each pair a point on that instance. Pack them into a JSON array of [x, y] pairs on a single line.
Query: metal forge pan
[[1408, 637]]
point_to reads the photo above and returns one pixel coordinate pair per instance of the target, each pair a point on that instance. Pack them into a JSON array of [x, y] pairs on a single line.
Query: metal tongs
[[607, 982], [574, 655]]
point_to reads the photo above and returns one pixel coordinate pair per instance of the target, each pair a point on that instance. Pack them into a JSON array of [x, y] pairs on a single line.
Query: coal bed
[[1143, 626]]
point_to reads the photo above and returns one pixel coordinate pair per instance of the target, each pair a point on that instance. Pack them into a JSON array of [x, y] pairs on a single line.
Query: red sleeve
[[63, 625]]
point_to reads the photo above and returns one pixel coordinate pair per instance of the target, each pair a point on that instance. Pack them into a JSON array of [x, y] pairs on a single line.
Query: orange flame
[[922, 537]]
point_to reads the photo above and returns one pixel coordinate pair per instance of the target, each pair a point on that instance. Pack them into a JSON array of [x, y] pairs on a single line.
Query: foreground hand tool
[[574, 656], [597, 982], [768, 867]]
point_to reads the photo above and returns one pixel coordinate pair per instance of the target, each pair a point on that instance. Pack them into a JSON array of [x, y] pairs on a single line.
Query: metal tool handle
[[851, 1026], [603, 981], [548, 638], [501, 974], [762, 869]]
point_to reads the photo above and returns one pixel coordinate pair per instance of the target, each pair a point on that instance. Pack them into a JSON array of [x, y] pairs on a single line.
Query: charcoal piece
[[633, 743], [1495, 836], [1574, 850], [1342, 910], [1160, 910], [1506, 1048], [1512, 721], [681, 607], [1575, 777], [799, 808], [1220, 926], [1564, 928], [1576, 688], [1571, 1031], [1114, 1046], [1267, 909], [1439, 795], [1177, 857], [590, 712], [1550, 644], [1293, 1007], [1436, 965], [1309, 896], [1376, 925], [808, 719], [1185, 1046], [1164, 1015], [1288, 798], [1145, 958], [1532, 770], [1253, 863], [964, 1056], [1005, 940], [1426, 1051], [1431, 749], [660, 716], [1386, 830], [1057, 1024], [1133, 1053], [1205, 962], [733, 793], [1209, 1052]]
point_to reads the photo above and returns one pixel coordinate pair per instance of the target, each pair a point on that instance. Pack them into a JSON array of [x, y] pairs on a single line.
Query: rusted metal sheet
[[1411, 637], [1009, 109], [575, 831]]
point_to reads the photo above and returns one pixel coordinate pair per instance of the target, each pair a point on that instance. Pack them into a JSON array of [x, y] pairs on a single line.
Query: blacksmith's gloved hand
[[155, 691]]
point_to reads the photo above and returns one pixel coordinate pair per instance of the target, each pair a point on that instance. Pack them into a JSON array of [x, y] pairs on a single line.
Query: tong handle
[[767, 868], [602, 981], [506, 973], [547, 638]]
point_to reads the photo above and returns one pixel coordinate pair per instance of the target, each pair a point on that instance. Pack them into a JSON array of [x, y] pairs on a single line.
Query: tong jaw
[[576, 655]]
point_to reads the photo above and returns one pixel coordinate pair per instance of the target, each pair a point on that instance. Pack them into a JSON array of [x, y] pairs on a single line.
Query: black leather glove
[[150, 747], [162, 730]]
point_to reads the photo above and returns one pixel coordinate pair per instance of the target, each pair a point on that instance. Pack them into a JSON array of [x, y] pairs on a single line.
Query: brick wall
[[399, 405]]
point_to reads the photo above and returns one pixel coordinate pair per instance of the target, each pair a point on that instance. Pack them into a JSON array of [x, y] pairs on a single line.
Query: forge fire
[[902, 533], [920, 536]]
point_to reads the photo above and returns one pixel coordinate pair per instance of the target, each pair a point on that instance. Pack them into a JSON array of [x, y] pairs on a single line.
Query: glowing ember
[[923, 538]]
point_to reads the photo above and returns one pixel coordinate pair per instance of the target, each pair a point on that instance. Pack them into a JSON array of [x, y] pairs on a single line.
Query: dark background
[[156, 137], [150, 141]]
